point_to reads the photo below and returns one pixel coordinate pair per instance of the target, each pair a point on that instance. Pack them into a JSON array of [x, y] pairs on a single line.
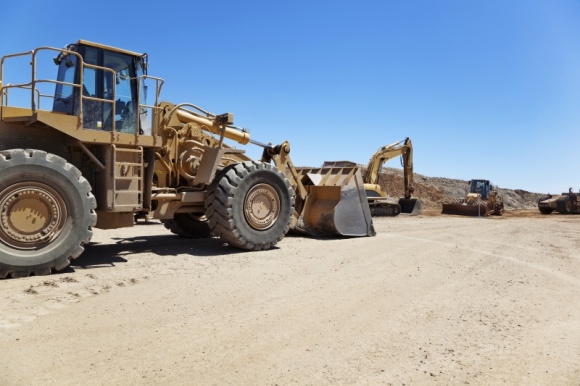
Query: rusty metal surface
[[410, 205], [336, 203], [465, 210]]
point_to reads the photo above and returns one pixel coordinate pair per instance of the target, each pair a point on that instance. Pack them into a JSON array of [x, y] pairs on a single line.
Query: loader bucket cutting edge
[[337, 205], [465, 210]]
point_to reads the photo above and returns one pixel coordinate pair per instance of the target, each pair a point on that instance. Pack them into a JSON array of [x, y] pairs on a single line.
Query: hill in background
[[434, 190]]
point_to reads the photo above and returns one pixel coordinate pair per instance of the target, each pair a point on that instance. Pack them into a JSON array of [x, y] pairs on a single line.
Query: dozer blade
[[410, 205], [465, 210], [336, 203]]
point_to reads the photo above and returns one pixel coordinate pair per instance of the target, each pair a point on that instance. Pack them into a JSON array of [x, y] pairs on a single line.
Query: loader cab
[[108, 92], [482, 187]]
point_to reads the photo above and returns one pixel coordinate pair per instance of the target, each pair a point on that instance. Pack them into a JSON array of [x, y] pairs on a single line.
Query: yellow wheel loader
[[483, 199], [95, 147]]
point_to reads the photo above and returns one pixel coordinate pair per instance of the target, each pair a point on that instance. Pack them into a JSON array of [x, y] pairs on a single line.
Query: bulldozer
[[377, 198], [95, 147], [482, 200], [565, 203]]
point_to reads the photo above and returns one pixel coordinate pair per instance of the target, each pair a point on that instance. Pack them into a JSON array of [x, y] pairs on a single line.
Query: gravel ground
[[430, 300]]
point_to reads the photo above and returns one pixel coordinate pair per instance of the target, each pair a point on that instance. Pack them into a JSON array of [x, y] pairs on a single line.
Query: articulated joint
[[272, 151]]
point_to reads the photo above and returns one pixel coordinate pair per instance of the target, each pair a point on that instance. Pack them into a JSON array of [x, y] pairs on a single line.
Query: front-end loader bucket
[[463, 209], [335, 204], [410, 205]]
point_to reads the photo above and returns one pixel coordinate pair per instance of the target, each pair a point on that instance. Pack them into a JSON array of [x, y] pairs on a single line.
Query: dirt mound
[[434, 190]]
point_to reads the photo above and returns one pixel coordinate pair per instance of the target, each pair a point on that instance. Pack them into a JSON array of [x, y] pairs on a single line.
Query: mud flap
[[336, 204]]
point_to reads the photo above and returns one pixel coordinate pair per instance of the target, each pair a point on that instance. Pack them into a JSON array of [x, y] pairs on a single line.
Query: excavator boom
[[377, 198]]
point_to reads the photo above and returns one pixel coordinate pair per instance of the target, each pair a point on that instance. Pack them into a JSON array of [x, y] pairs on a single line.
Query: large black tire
[[46, 212], [189, 225], [545, 210], [565, 205], [249, 205]]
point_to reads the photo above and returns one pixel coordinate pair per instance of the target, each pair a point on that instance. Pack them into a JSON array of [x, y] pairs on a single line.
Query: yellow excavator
[[377, 198]]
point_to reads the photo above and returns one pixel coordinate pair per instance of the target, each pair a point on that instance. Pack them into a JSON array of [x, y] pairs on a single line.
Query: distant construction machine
[[377, 197], [565, 203], [482, 199]]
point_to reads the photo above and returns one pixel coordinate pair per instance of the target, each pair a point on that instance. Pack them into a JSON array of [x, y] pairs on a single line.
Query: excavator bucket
[[335, 204], [410, 205], [463, 209]]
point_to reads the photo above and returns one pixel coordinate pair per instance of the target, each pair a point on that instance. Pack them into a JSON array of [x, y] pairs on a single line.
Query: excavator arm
[[402, 148], [377, 196]]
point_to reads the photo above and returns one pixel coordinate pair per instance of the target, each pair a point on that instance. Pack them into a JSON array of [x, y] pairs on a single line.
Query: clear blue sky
[[485, 89]]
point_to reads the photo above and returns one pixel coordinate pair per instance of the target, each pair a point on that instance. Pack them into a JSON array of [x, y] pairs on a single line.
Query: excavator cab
[[103, 87]]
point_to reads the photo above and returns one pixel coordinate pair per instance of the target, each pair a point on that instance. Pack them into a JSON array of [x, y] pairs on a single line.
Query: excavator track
[[383, 208]]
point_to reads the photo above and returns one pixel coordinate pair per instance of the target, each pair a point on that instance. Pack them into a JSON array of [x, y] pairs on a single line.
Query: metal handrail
[[155, 107], [36, 95], [35, 104]]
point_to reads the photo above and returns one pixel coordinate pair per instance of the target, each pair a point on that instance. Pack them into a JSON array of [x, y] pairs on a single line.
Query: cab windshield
[[109, 88]]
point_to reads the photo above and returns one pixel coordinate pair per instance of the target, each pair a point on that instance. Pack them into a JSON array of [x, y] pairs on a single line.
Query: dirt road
[[430, 300]]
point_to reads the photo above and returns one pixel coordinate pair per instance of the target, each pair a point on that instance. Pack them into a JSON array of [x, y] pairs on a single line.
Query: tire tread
[[12, 157], [220, 211]]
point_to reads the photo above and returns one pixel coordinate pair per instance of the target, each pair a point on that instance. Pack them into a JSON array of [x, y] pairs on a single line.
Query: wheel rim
[[31, 215], [568, 206], [262, 206]]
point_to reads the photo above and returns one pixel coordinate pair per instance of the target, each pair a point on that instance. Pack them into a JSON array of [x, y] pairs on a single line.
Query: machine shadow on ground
[[110, 254]]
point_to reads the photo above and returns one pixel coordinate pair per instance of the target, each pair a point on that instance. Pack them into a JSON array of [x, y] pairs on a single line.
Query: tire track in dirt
[[52, 294], [571, 279]]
